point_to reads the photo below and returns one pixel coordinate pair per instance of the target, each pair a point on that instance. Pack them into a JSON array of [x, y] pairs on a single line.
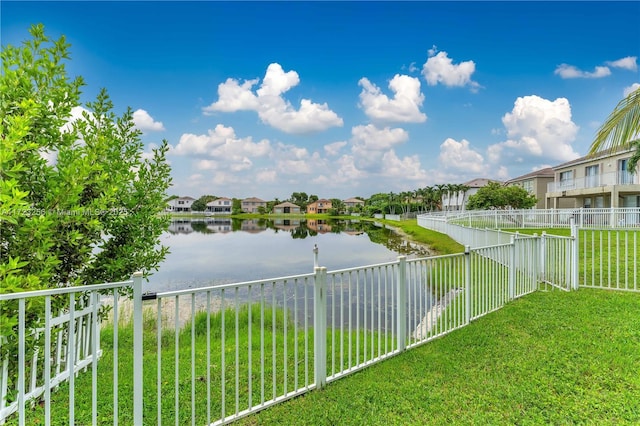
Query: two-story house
[[597, 180], [180, 204], [220, 206], [351, 203], [535, 183], [320, 206], [252, 204]]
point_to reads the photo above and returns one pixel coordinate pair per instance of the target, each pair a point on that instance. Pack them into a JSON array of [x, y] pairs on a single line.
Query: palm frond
[[622, 127]]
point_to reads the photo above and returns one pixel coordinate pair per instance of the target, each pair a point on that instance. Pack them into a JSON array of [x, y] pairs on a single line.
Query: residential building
[[320, 206], [286, 208], [220, 206], [180, 205], [535, 183], [252, 204], [350, 203], [595, 181], [457, 200]]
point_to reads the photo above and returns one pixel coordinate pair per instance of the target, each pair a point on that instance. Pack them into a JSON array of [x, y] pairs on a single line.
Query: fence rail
[[534, 218]]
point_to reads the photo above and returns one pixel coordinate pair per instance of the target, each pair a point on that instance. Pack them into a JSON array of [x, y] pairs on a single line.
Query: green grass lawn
[[548, 358]]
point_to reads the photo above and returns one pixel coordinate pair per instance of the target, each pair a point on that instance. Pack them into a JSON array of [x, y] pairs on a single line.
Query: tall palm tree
[[621, 129]]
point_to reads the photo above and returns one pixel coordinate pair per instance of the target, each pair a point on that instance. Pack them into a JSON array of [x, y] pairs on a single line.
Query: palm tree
[[621, 129]]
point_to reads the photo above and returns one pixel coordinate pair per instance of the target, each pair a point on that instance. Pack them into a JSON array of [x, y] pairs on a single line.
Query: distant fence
[[535, 218], [595, 254]]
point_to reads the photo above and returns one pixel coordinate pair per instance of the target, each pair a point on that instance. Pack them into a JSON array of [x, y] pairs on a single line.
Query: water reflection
[[214, 250]]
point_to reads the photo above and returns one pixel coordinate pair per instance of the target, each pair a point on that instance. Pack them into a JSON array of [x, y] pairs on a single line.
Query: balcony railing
[[595, 181]]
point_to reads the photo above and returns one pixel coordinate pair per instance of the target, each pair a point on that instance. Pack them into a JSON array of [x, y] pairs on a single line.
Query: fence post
[[512, 268], [467, 284], [401, 309], [575, 245], [137, 349], [315, 256], [320, 327], [543, 256]]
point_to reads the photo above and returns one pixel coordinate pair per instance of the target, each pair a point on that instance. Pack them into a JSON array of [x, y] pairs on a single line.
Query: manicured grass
[[548, 358]]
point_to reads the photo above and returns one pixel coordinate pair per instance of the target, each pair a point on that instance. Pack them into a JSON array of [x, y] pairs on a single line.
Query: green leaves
[[78, 202], [621, 129]]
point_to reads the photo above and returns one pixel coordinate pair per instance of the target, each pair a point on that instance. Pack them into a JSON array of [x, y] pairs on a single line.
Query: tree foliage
[[621, 129], [200, 204], [79, 200], [496, 196]]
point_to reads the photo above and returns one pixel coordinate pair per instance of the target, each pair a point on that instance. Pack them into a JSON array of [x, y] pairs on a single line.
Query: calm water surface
[[223, 250]]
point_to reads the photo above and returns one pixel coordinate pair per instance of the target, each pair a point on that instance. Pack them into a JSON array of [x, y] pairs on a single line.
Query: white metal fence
[[533, 218], [212, 355], [48, 352], [601, 251]]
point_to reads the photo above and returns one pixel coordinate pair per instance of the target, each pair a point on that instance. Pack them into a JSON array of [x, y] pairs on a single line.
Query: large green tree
[[496, 196], [79, 200], [621, 129]]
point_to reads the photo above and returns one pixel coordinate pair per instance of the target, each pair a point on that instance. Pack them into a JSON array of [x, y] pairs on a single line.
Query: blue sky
[[344, 99]]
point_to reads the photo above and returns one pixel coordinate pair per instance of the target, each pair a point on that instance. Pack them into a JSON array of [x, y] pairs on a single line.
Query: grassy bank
[[548, 358]]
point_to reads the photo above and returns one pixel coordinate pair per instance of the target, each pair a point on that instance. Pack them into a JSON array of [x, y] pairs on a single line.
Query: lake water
[[214, 251]]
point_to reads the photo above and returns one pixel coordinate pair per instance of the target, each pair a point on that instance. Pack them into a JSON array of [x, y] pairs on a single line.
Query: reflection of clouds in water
[[198, 259]]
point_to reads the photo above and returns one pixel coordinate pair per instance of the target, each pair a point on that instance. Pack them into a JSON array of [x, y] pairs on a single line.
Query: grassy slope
[[549, 358]]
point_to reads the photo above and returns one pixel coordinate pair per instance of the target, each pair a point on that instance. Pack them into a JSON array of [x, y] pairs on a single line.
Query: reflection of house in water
[[353, 231], [253, 226], [180, 226], [320, 226], [221, 225], [286, 224]]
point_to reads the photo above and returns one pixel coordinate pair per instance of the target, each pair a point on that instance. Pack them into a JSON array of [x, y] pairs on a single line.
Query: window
[[566, 179], [591, 176], [624, 177], [528, 186]]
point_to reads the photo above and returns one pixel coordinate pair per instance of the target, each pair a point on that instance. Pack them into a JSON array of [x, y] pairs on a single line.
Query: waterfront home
[[286, 208], [320, 206], [350, 203], [597, 180], [180, 204], [220, 206], [252, 204], [535, 183]]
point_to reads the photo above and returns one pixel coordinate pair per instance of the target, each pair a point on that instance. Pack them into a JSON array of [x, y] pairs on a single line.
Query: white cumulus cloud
[[405, 105], [145, 123], [440, 69], [537, 128], [628, 63], [270, 105], [570, 71], [459, 156]]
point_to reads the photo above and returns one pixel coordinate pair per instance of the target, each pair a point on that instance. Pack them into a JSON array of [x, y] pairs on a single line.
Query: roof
[[596, 155], [321, 200], [253, 199], [287, 204], [353, 200], [546, 172], [186, 197], [479, 182]]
